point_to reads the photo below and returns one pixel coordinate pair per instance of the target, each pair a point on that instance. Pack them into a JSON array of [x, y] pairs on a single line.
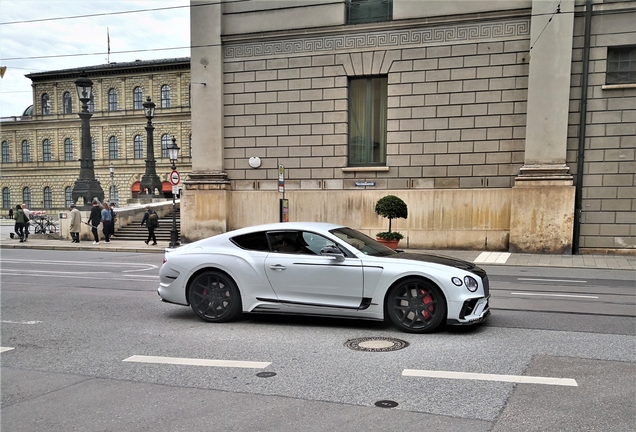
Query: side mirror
[[332, 251]]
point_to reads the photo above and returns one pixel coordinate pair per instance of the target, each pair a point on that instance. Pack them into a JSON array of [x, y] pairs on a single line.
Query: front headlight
[[457, 281], [471, 284]]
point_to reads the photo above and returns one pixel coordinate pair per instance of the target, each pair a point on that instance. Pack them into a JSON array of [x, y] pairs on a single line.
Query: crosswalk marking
[[493, 257], [490, 377], [198, 362]]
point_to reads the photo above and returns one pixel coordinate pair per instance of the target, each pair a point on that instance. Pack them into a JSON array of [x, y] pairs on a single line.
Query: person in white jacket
[[76, 224], [27, 224]]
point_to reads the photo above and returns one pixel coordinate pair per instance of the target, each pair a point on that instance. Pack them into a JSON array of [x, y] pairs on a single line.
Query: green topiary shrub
[[391, 207]]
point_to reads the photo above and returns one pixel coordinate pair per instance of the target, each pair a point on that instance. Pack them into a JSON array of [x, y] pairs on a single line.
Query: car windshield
[[362, 242]]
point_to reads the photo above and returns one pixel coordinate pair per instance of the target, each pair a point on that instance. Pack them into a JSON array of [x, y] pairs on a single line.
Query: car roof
[[282, 226]]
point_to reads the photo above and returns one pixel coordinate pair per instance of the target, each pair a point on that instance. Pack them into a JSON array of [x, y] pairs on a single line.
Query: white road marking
[[3, 349], [551, 280], [493, 257], [20, 322], [490, 377], [129, 278], [198, 362], [554, 295]]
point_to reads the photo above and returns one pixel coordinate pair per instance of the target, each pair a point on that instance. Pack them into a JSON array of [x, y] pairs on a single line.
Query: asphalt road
[[84, 332]]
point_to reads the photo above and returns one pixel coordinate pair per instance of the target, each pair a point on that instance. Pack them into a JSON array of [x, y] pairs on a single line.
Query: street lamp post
[[173, 153], [86, 186], [150, 181], [111, 168]]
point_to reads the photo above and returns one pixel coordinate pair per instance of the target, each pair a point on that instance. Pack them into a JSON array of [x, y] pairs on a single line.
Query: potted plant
[[390, 207]]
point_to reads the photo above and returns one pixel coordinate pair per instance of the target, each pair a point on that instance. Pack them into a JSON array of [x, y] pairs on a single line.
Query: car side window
[[253, 241], [315, 242], [289, 242]]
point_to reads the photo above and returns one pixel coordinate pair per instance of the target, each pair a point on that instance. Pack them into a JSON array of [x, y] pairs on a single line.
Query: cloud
[[67, 40]]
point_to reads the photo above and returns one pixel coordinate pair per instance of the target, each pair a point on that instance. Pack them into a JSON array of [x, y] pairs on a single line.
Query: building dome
[[28, 112]]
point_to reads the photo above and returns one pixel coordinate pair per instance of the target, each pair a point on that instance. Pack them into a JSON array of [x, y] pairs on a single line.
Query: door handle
[[278, 267]]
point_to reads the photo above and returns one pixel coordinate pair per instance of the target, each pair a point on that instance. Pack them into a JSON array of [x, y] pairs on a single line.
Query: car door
[[301, 276]]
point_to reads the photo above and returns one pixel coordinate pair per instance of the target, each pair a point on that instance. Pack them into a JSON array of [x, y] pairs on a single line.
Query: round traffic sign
[[175, 178]]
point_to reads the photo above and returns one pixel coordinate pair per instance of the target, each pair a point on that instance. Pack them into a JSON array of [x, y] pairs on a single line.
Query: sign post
[[283, 204]]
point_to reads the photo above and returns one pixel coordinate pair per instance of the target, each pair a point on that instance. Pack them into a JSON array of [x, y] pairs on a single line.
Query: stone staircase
[[135, 232]]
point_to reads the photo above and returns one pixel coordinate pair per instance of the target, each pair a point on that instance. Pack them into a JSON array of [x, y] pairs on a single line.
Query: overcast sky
[[33, 38]]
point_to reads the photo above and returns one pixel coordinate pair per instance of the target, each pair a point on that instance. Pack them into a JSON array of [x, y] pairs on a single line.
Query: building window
[[138, 98], [6, 198], [367, 121], [68, 103], [621, 65], [189, 95], [26, 197], [369, 11], [68, 196], [48, 198], [165, 143], [91, 103], [112, 100], [6, 153], [68, 149], [26, 151], [114, 195], [190, 145], [93, 148], [46, 104], [46, 151], [113, 148], [138, 147], [165, 96]]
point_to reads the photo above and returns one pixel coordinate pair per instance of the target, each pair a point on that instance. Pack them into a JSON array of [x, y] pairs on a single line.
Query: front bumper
[[473, 311]]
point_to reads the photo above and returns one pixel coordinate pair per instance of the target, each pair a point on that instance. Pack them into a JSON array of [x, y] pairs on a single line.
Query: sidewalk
[[615, 262]]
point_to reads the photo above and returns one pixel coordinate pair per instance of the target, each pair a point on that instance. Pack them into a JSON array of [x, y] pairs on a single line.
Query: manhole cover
[[376, 344], [386, 404]]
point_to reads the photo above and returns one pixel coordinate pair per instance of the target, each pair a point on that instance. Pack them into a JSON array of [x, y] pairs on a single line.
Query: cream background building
[[40, 150], [483, 104]]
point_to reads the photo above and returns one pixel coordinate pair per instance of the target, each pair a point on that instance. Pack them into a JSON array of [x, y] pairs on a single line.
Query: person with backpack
[[151, 219]]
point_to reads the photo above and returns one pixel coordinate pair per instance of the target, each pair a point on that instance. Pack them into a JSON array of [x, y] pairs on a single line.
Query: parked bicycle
[[42, 224]]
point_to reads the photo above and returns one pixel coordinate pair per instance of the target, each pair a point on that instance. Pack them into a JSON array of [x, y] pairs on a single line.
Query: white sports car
[[323, 270]]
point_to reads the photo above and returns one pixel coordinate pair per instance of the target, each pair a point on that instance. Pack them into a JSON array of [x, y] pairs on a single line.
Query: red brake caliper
[[427, 300]]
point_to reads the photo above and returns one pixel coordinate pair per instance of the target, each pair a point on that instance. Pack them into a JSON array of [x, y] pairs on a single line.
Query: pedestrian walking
[[106, 221], [94, 219], [19, 222], [76, 224], [151, 220], [27, 221], [10, 213]]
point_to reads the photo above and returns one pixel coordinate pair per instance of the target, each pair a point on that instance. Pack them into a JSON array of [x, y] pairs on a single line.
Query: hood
[[436, 259]]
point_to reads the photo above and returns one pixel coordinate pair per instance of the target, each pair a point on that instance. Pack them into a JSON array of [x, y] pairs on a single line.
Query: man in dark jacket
[[150, 225], [94, 219]]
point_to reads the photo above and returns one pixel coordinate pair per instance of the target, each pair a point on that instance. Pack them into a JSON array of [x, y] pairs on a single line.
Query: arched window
[[6, 152], [46, 104], [113, 148], [114, 195], [138, 98], [26, 151], [93, 148], [165, 143], [48, 198], [6, 198], [46, 151], [68, 149], [68, 103], [139, 147], [68, 196], [165, 96], [26, 197], [112, 100], [91, 103]]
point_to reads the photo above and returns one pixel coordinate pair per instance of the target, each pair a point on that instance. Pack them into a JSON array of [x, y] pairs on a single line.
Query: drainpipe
[[578, 197]]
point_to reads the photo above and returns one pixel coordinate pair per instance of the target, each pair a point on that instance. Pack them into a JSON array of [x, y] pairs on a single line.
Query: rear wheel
[[214, 297], [416, 306]]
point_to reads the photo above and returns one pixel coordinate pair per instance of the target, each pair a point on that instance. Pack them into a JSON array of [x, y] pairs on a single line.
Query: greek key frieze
[[381, 39]]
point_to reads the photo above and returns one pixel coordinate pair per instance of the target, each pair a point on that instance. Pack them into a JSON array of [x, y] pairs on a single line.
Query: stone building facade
[[472, 117], [40, 149]]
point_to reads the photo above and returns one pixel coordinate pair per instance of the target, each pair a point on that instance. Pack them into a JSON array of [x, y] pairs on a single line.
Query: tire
[[214, 297], [416, 306], [38, 229]]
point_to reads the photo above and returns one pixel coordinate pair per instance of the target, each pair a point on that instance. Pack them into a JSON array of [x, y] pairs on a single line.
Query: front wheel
[[416, 306], [214, 297]]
